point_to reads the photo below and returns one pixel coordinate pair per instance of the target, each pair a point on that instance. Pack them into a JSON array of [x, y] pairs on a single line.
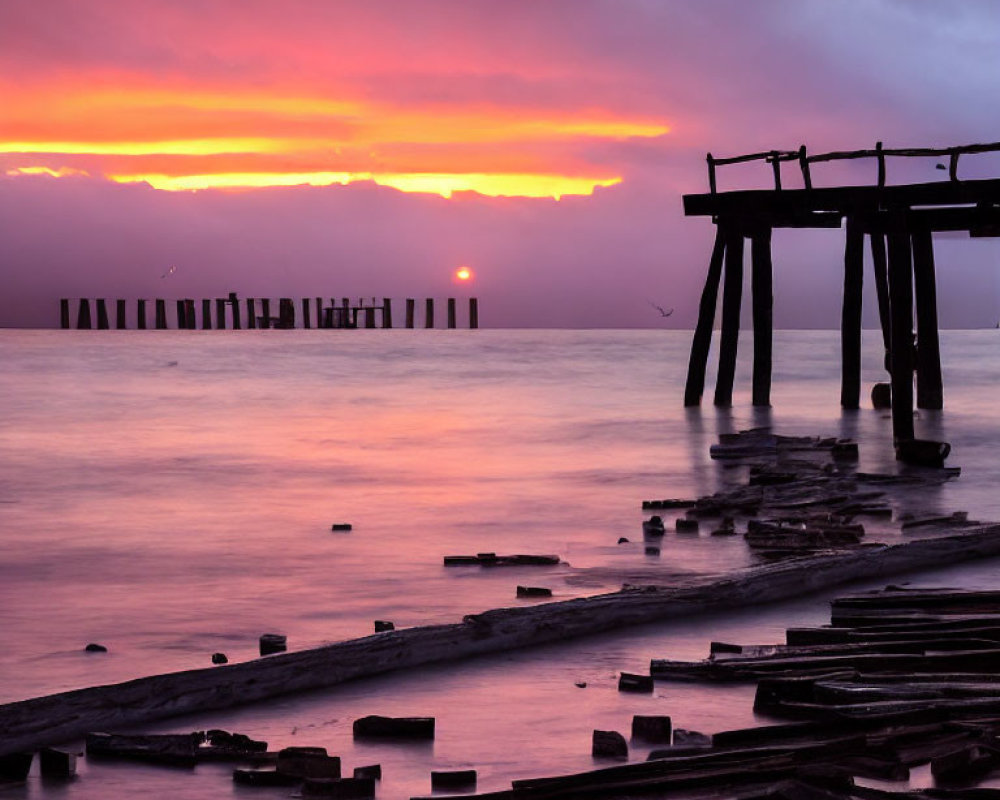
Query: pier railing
[[331, 313], [880, 153]]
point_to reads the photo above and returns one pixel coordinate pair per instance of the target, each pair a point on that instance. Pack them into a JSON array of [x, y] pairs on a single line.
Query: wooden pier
[[899, 221], [319, 312]]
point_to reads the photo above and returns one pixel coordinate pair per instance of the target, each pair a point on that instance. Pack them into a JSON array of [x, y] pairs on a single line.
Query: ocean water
[[169, 494]]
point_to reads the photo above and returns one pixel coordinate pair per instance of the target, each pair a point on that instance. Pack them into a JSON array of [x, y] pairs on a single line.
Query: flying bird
[[170, 271], [660, 309]]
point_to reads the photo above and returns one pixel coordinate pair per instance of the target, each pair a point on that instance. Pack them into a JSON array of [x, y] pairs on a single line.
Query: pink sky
[[437, 133]]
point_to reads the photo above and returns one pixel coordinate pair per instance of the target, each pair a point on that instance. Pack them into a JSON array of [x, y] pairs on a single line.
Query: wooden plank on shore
[[58, 717]]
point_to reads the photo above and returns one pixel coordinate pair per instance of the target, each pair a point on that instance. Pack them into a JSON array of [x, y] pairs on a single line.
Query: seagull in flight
[[660, 309]]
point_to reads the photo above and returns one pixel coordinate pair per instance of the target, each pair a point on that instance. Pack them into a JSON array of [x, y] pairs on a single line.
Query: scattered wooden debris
[[175, 749], [341, 527], [651, 728], [383, 625], [533, 591], [272, 643], [652, 505], [451, 780], [56, 764], [93, 647], [628, 682], [340, 788], [653, 526], [493, 560], [220, 658], [609, 744], [373, 771], [394, 727], [15, 766]]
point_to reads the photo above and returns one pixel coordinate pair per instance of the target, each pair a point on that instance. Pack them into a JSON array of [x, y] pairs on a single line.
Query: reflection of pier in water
[[899, 222], [339, 313]]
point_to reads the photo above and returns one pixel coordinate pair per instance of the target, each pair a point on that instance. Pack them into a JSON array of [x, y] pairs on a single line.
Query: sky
[[183, 148]]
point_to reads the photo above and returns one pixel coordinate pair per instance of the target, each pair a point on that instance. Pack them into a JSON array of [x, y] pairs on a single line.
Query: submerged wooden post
[[286, 313], [120, 314], [234, 301], [473, 312], [880, 266], [320, 322], [369, 316], [265, 312], [901, 346], [181, 315], [83, 315], [251, 313], [102, 314], [850, 316], [763, 307], [64, 313], [220, 313], [305, 313], [410, 304], [206, 314], [161, 314], [429, 313], [929, 390], [140, 311], [706, 319], [386, 312], [189, 308], [452, 319], [732, 298]]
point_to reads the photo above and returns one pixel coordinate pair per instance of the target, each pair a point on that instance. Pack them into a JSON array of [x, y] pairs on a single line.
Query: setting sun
[[463, 274]]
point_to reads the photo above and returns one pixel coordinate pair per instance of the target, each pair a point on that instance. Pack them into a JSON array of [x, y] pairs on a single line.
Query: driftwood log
[[55, 718]]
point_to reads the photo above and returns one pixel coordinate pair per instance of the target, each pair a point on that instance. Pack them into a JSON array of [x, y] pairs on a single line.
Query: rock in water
[[609, 744]]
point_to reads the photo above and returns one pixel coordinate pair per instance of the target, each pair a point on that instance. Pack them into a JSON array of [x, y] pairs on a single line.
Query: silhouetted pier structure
[[899, 221], [325, 313]]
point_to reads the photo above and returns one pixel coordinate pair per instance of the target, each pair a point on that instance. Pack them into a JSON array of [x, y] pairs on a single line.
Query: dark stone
[[341, 526], [653, 526], [652, 728], [684, 525], [272, 643], [95, 648], [580, 684], [844, 450], [373, 771], [652, 550], [882, 395], [533, 591], [308, 762], [609, 744], [343, 788], [922, 452], [686, 738], [219, 658], [629, 682], [453, 779], [175, 749], [394, 727], [57, 763], [622, 540], [15, 766], [264, 777], [382, 625], [223, 743]]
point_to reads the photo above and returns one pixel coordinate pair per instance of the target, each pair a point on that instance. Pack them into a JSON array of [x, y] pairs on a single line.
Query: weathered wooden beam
[[901, 344], [234, 304], [44, 720], [306, 322], [265, 312], [695, 385], [929, 387], [120, 315], [850, 317], [251, 313], [83, 315], [189, 312], [429, 313], [473, 312], [410, 308], [220, 313], [386, 312], [64, 313], [161, 314], [763, 324], [452, 317], [732, 298], [102, 315], [206, 314], [880, 266], [140, 314]]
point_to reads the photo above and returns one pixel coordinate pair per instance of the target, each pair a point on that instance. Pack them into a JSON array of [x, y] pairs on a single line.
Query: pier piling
[[220, 313], [929, 388], [206, 314], [901, 345], [698, 361], [83, 315], [732, 298], [473, 312], [452, 317], [386, 312], [235, 303], [763, 306], [140, 313], [429, 313], [410, 303], [161, 314], [102, 315], [120, 315], [64, 313], [251, 313], [181, 315], [306, 323], [850, 317]]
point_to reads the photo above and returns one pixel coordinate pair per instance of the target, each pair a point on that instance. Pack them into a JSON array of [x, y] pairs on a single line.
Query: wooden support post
[[850, 315], [929, 390], [83, 315], [804, 166], [732, 298], [369, 316], [140, 312], [161, 314], [711, 173], [234, 301], [64, 314], [473, 312], [181, 315], [763, 303], [410, 305], [265, 312], [386, 312], [776, 168], [901, 346], [452, 319], [706, 319], [320, 322], [881, 164], [206, 313], [189, 310], [429, 313], [102, 315], [120, 315], [881, 269], [286, 313], [251, 313], [305, 313], [220, 313]]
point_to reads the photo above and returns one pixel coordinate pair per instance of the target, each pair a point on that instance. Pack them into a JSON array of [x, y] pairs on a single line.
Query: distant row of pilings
[[317, 312]]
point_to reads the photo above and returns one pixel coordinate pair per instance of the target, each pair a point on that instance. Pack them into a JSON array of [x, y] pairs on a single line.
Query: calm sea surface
[[169, 494]]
